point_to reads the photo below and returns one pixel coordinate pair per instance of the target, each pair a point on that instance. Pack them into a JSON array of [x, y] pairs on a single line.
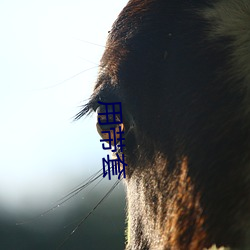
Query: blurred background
[[49, 57]]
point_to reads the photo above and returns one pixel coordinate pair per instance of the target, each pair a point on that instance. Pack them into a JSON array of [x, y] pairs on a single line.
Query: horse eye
[[106, 129]]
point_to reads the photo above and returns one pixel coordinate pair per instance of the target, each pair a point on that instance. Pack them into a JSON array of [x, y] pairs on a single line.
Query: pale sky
[[42, 44]]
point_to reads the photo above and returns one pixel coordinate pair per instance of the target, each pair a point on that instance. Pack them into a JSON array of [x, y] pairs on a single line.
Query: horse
[[181, 69]]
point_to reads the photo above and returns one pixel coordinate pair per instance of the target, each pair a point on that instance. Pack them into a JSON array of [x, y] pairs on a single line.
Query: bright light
[[47, 71]]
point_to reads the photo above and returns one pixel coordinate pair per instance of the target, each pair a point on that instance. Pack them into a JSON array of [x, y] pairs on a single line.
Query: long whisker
[[75, 221], [68, 79], [85, 218], [89, 61], [106, 47], [95, 44], [67, 197], [81, 186]]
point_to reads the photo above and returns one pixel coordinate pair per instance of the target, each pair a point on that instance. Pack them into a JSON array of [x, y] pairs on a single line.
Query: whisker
[[81, 186], [95, 44], [67, 197], [87, 60], [75, 221], [95, 185], [86, 217], [68, 79], [107, 47]]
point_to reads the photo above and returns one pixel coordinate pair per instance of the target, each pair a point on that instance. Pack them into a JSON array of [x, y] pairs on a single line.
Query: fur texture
[[230, 18], [181, 69]]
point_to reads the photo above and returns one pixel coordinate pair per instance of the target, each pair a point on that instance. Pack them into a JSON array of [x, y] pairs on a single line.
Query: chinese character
[[111, 114], [113, 111], [112, 140], [115, 165]]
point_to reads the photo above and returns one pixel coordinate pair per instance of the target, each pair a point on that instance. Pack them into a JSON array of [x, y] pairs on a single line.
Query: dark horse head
[[181, 69]]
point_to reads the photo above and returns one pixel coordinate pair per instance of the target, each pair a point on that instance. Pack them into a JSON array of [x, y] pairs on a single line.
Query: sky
[[49, 57]]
